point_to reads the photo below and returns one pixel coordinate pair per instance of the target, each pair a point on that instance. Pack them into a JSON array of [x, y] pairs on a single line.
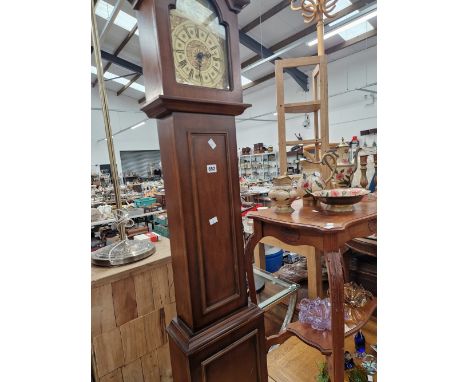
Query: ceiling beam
[[259, 81], [265, 16], [111, 19], [121, 62], [126, 86], [330, 50], [308, 31], [256, 47], [118, 50]]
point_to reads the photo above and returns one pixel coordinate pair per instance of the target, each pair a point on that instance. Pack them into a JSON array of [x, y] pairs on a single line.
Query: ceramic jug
[[311, 180], [283, 193], [342, 168]]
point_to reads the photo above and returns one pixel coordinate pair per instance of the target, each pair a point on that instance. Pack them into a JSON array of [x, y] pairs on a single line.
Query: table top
[[103, 275], [317, 218], [275, 288]]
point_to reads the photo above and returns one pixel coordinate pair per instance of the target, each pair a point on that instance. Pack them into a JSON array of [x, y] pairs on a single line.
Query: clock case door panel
[[156, 48], [231, 351], [204, 208]]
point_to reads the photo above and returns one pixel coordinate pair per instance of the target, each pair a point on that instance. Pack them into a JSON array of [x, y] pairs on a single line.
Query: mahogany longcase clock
[[190, 55]]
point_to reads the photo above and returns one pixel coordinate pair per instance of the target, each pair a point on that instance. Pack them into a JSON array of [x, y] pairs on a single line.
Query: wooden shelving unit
[[262, 166]]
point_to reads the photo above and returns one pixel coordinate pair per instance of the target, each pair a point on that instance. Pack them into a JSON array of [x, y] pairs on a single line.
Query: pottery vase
[[283, 193]]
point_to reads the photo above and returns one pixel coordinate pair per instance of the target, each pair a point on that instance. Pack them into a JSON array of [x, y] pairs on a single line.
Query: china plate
[[340, 199]]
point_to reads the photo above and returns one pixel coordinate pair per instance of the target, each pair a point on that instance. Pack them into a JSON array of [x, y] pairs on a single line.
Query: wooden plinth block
[[230, 351]]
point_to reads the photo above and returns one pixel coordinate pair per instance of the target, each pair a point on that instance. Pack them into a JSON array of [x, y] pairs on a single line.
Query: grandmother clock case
[[190, 56]]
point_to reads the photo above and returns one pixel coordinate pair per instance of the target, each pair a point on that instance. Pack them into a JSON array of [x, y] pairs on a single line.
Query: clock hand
[[199, 73], [199, 58]]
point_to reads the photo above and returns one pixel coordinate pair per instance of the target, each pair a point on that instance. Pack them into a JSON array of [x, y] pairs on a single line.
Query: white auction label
[[211, 168], [212, 143], [213, 220]]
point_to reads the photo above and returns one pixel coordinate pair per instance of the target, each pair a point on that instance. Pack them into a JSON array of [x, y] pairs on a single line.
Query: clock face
[[199, 45]]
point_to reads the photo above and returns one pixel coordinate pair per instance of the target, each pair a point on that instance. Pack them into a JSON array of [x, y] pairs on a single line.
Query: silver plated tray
[[123, 252]]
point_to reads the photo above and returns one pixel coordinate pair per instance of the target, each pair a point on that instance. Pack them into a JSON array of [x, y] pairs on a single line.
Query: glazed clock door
[[199, 45]]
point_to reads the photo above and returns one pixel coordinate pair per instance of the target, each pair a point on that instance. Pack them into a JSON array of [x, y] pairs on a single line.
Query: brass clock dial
[[199, 52]]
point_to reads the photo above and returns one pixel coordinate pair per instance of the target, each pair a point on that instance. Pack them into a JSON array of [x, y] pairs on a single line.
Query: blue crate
[[144, 202]]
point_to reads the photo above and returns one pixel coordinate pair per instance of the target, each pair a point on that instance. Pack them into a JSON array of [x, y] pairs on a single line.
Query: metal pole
[[105, 113]]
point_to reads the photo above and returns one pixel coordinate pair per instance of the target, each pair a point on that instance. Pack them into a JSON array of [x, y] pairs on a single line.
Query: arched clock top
[[237, 5], [199, 41], [190, 56]]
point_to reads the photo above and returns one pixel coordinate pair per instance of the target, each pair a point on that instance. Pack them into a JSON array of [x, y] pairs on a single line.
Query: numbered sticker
[[213, 220], [211, 168], [212, 143]]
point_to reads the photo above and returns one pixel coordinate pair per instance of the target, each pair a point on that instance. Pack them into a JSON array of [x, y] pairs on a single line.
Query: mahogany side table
[[326, 231]]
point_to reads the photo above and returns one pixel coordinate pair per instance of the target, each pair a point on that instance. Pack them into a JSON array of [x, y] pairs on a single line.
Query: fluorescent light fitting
[[123, 19], [341, 4], [344, 28], [356, 31], [358, 21], [137, 125], [245, 80], [344, 18], [138, 87], [104, 9]]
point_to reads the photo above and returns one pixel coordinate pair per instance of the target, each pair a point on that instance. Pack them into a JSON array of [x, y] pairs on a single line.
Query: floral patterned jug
[[342, 169], [311, 180]]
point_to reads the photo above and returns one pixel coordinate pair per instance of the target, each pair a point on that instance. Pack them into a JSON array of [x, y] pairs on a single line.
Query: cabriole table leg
[[249, 257], [335, 280]]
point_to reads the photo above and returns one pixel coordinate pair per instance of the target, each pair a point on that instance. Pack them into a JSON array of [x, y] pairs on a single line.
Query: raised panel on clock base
[[199, 157], [230, 351]]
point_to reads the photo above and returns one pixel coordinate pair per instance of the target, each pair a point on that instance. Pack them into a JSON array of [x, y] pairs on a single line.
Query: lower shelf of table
[[322, 340]]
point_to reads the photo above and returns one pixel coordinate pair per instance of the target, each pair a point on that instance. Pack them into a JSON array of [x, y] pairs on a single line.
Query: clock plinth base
[[232, 350]]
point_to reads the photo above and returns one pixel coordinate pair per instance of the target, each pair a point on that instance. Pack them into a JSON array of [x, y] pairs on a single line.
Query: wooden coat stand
[[312, 10]]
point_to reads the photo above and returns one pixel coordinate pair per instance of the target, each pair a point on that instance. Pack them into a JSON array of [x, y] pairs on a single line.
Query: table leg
[[346, 262], [290, 311], [335, 280], [314, 271], [259, 256], [248, 256], [287, 320]]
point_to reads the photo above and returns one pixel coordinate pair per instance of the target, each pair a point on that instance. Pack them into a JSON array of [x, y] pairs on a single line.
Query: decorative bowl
[[316, 313], [341, 199]]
